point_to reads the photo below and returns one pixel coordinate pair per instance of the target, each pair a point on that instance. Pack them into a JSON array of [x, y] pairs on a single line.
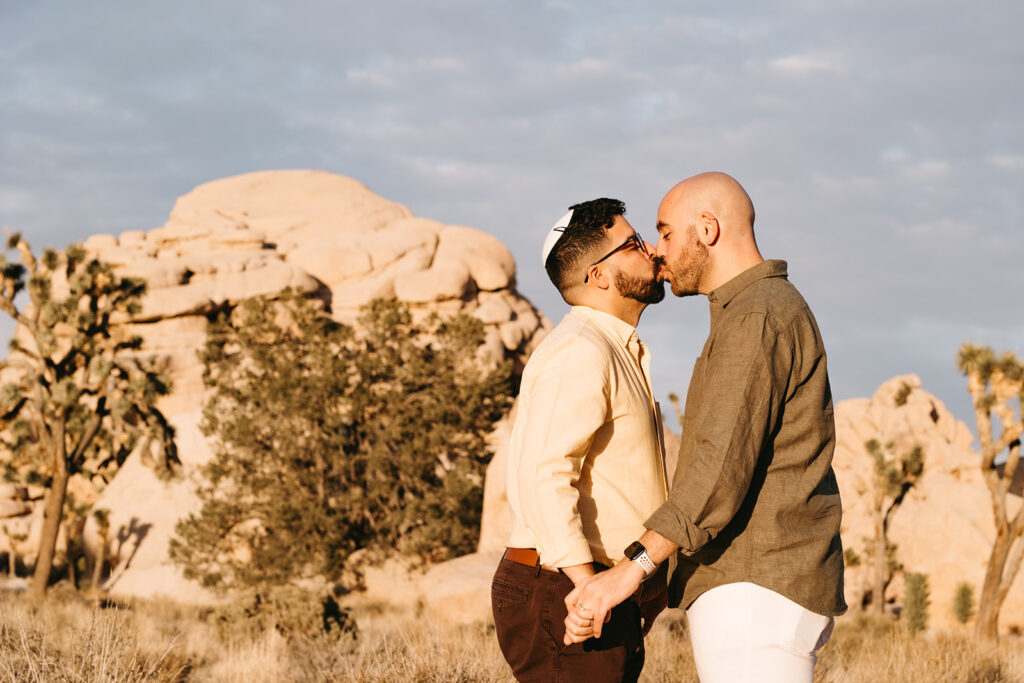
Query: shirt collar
[[617, 328], [725, 293]]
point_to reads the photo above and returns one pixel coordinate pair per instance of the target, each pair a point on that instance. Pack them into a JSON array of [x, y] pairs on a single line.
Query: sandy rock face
[[944, 527], [256, 234]]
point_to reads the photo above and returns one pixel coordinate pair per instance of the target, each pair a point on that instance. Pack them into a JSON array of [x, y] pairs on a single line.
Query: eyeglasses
[[634, 242]]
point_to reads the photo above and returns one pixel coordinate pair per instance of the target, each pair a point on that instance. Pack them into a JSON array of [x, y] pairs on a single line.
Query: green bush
[[333, 440], [916, 602], [963, 602]]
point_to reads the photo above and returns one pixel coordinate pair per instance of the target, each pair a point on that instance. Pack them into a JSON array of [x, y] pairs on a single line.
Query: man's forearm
[[658, 547], [578, 572]]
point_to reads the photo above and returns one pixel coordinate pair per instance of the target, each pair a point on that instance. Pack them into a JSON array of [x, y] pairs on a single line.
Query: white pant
[[743, 632]]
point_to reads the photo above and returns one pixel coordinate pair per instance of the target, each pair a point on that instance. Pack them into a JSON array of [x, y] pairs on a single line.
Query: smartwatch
[[638, 553]]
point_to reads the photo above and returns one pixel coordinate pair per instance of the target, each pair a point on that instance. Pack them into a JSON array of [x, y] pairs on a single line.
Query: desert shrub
[[332, 441], [293, 611], [963, 602], [903, 394], [916, 602]]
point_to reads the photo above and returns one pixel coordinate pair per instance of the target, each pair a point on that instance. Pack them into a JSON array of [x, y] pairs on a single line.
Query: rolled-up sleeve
[[568, 404], [732, 418]]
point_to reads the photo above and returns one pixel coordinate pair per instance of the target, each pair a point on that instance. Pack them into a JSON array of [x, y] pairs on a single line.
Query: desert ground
[[74, 639]]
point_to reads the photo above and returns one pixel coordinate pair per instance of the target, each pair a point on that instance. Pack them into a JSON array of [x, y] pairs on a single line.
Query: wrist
[[636, 573], [636, 553], [578, 573]]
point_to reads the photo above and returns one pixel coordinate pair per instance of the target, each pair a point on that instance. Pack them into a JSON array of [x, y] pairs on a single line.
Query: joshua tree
[[996, 385], [894, 477], [75, 399]]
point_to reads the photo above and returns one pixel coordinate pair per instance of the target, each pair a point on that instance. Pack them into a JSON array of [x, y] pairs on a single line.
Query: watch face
[[634, 549]]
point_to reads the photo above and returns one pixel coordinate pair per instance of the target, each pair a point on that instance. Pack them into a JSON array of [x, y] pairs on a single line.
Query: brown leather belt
[[526, 556], [530, 558]]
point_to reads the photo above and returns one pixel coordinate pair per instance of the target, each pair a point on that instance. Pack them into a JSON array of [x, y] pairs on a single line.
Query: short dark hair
[[582, 238]]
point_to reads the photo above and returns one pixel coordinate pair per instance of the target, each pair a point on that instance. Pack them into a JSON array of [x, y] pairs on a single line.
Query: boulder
[[256, 234], [944, 528], [459, 591]]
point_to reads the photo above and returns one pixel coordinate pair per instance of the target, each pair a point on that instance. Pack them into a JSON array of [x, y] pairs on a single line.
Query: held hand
[[593, 600], [579, 625]]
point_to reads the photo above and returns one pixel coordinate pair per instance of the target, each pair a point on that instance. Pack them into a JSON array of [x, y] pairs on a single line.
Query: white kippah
[[553, 236]]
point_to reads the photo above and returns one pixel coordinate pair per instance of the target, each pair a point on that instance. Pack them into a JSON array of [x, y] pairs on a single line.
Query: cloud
[[1007, 162], [880, 141], [803, 65]]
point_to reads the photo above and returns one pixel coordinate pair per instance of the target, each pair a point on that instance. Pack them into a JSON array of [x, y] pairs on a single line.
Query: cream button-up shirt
[[586, 462]]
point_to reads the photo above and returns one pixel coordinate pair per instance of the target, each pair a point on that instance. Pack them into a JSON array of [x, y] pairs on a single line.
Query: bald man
[[752, 518]]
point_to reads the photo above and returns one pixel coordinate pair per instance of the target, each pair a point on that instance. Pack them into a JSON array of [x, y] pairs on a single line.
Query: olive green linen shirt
[[754, 497]]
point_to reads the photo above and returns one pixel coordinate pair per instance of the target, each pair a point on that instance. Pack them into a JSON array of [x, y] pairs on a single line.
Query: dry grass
[[70, 639], [874, 649]]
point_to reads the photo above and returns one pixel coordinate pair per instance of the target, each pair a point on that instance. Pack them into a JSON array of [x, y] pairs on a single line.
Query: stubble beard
[[686, 271]]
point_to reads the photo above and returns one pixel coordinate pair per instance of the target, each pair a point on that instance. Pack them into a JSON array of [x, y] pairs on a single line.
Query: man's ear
[[598, 277], [708, 230]]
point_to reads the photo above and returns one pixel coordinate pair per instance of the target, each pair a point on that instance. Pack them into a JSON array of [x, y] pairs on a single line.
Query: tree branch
[[78, 456], [1012, 565]]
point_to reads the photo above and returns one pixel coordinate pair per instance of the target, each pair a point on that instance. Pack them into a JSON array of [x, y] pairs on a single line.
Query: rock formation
[[256, 234], [944, 527]]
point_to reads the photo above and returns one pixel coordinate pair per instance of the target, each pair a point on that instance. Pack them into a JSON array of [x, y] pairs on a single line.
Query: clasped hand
[[590, 603]]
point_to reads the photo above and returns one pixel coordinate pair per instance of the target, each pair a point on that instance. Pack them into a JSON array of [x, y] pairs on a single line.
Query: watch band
[[638, 553], [646, 563]]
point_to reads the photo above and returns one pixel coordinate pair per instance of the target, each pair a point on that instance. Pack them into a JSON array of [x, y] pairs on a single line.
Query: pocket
[[502, 590]]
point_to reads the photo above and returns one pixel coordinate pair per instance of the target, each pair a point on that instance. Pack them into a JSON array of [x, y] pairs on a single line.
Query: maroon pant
[[529, 620]]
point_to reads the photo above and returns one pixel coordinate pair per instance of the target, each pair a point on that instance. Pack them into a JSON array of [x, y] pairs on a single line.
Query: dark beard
[[645, 290]]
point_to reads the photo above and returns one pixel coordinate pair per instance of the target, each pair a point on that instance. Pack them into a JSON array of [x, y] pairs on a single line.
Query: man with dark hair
[[585, 460], [753, 515]]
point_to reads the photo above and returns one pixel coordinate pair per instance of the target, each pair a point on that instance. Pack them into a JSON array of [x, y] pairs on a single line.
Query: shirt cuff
[[671, 523]]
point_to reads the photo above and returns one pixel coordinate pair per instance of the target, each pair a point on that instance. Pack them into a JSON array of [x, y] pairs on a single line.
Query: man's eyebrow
[[661, 225]]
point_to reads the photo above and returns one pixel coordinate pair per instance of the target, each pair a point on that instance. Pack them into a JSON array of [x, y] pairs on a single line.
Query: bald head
[[707, 227], [720, 195]]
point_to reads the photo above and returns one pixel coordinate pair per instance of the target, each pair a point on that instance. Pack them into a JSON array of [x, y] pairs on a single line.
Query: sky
[[881, 142]]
